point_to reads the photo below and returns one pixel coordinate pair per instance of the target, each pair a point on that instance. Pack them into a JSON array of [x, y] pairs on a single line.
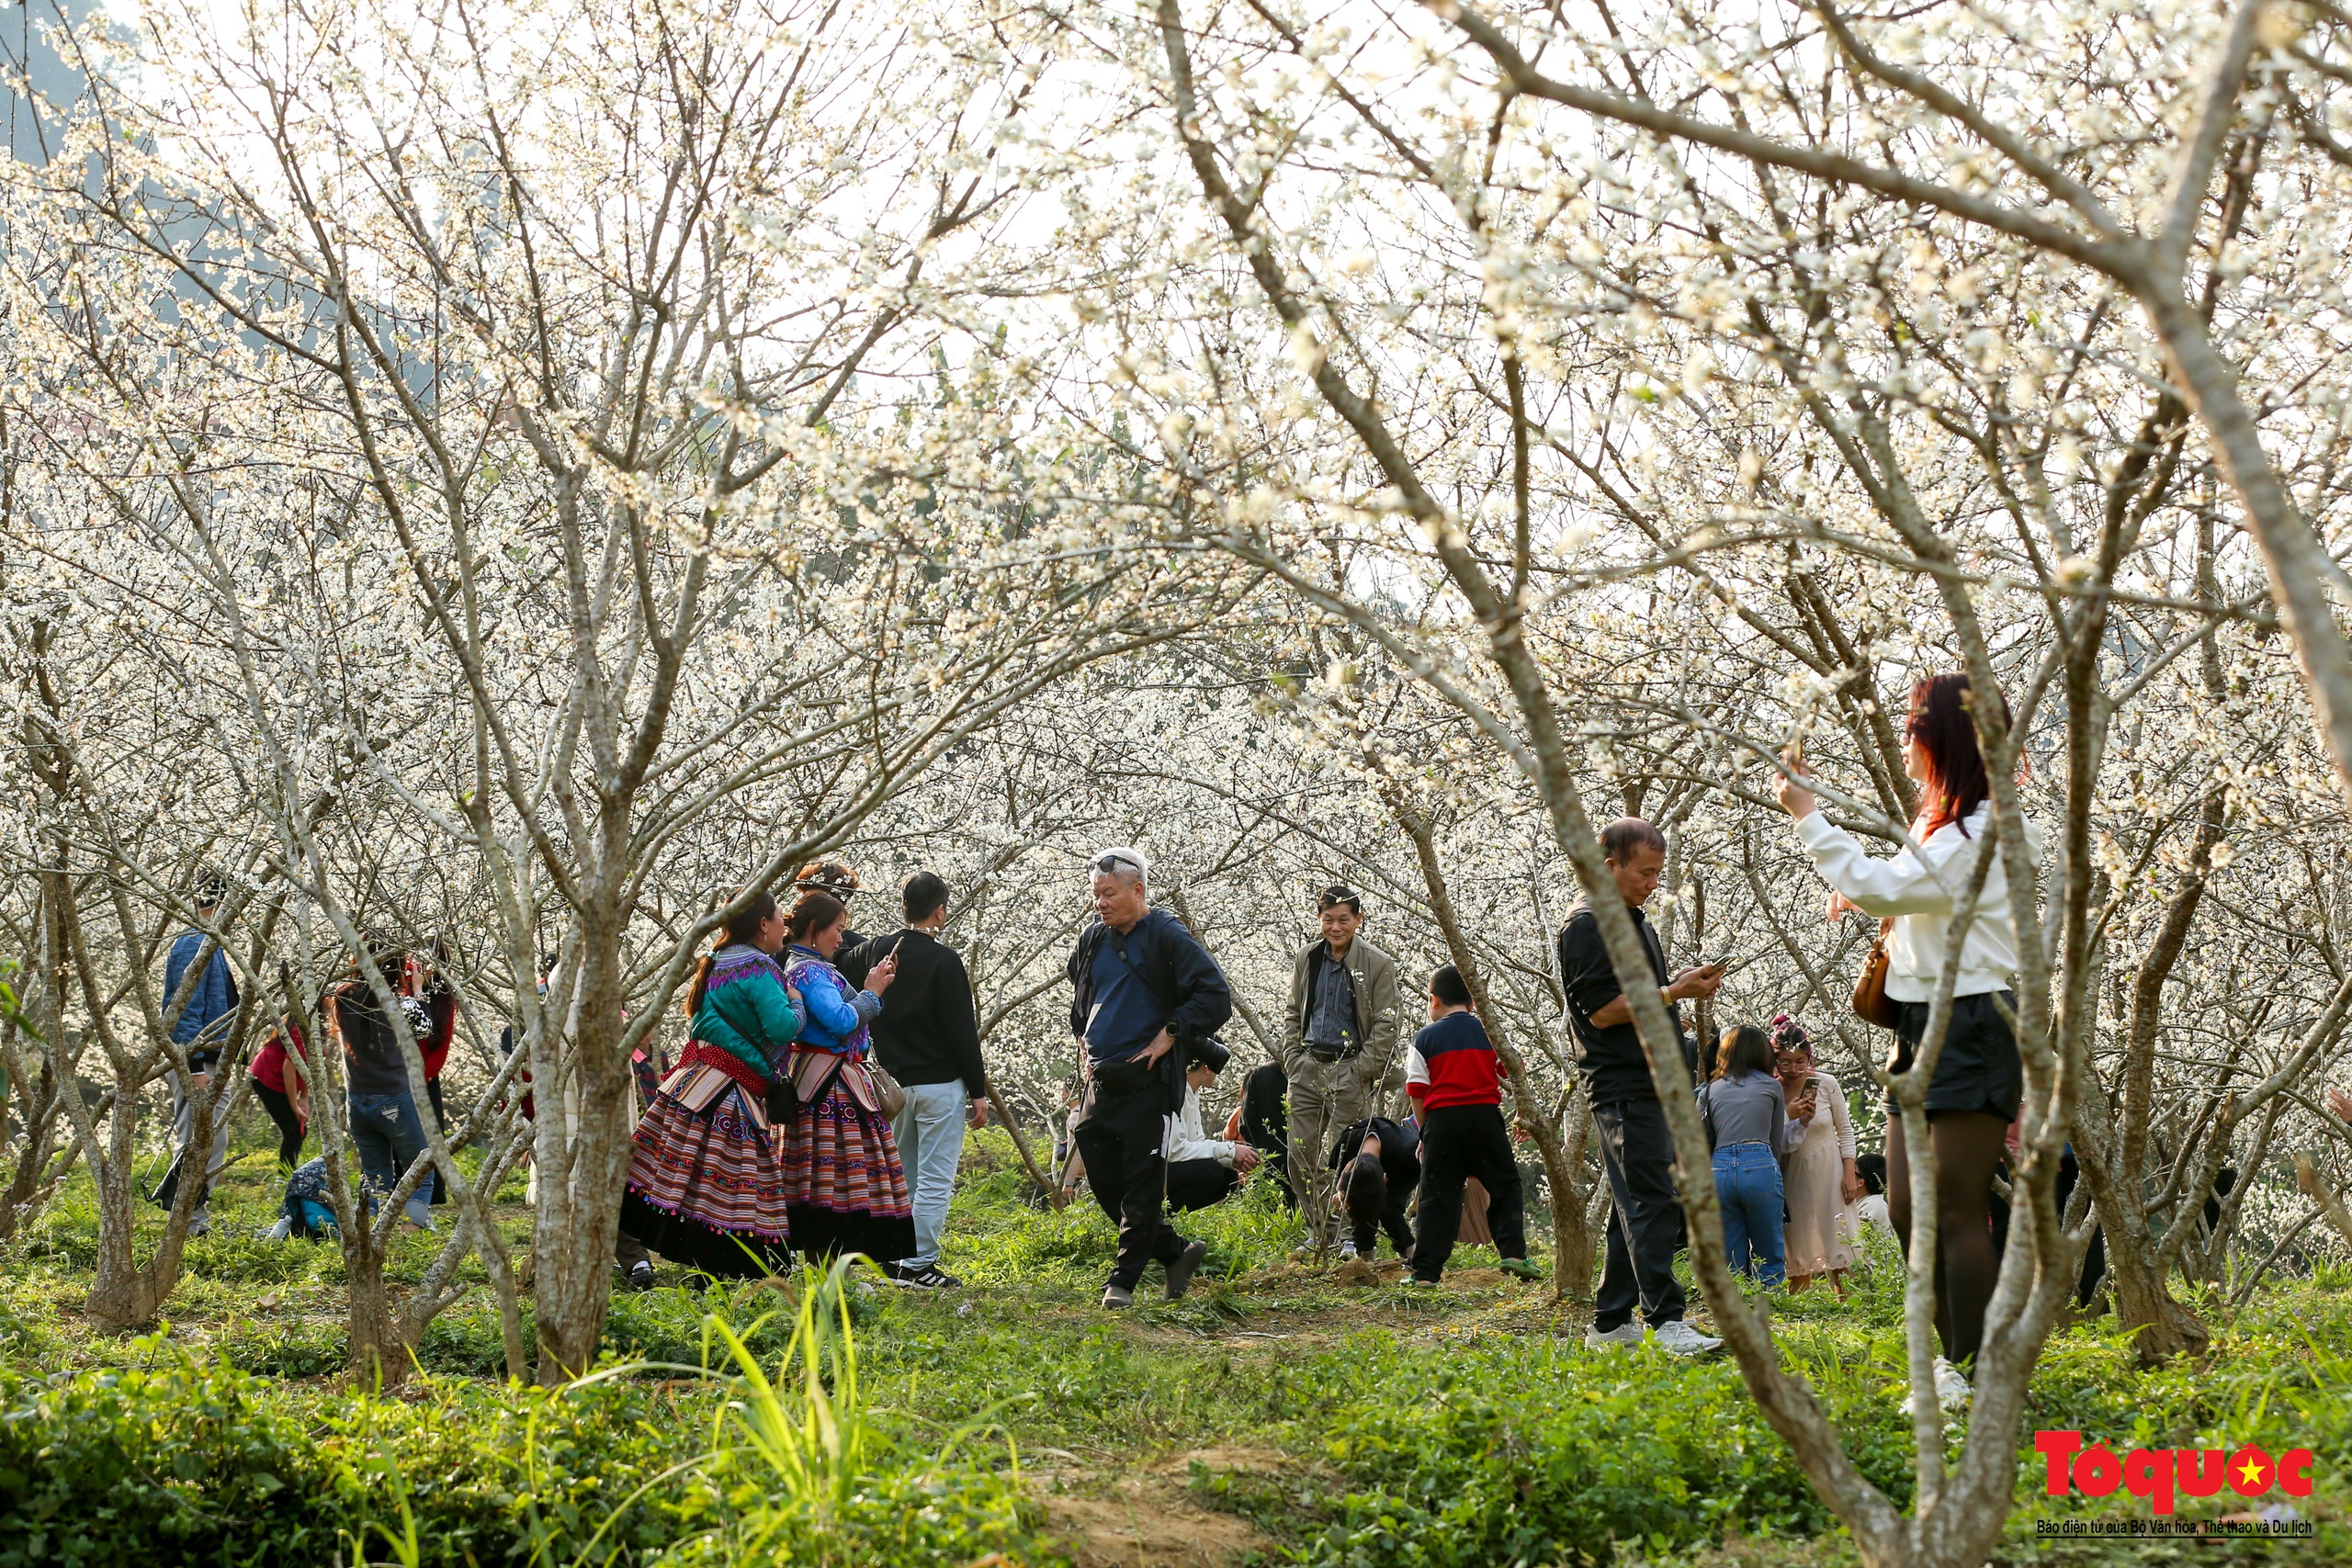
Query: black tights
[[1968, 1144], [289, 1126]]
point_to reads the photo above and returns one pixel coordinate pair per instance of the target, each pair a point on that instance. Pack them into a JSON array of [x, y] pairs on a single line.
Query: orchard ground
[[1277, 1415]]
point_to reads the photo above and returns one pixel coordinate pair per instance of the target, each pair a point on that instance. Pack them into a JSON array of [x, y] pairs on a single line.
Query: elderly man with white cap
[[1148, 1002]]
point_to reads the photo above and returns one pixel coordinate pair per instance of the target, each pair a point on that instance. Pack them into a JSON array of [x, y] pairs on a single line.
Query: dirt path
[[1149, 1517]]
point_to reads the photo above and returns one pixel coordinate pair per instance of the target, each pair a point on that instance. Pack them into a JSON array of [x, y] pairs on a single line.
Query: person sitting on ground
[[1454, 1079], [1379, 1165], [1749, 1127], [1070, 1166], [1202, 1170], [306, 1211]]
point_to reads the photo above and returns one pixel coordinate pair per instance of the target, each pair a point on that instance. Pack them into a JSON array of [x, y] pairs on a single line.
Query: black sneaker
[[1182, 1268], [641, 1275], [918, 1276]]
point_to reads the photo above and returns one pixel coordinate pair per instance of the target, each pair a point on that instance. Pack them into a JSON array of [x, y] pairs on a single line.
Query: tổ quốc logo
[[2163, 1475]]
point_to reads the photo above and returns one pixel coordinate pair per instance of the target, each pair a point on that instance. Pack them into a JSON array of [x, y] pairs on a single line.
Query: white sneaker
[[1679, 1339], [201, 1224], [1951, 1389], [1626, 1333], [280, 1231], [1348, 1250]]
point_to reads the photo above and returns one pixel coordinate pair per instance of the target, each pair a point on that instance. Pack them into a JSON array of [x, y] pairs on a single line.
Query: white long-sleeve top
[[1918, 889], [1187, 1139], [1829, 1110]]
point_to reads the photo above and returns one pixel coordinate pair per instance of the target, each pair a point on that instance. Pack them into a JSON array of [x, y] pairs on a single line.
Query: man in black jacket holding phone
[[1147, 998], [1636, 1153], [928, 1037]]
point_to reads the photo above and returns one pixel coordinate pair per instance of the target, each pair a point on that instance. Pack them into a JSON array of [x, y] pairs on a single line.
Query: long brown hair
[[745, 929], [1744, 1048], [1940, 722]]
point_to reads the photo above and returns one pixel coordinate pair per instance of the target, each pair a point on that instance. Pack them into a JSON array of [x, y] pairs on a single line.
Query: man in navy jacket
[[1146, 999], [203, 1026]]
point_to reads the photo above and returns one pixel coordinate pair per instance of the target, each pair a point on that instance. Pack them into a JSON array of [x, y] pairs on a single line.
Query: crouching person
[[306, 1211], [1141, 986], [1379, 1165], [1203, 1170], [1453, 1076]]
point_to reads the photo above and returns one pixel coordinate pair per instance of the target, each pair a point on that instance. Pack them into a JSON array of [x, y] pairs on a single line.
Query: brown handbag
[[1871, 1004], [886, 1091]]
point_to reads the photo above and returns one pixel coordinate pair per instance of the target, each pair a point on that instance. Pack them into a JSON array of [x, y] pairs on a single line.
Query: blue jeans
[[930, 1131], [388, 1134], [1748, 1183]]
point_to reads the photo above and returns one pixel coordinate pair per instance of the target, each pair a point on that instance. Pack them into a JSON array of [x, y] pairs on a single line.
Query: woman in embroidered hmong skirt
[[844, 1183], [706, 1181]]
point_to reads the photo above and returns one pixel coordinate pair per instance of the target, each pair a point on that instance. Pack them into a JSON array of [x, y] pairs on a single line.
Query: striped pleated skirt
[[707, 1179], [845, 1190]]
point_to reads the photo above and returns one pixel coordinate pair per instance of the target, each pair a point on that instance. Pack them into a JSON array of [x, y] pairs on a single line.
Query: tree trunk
[[119, 1298], [1572, 1251], [579, 1214], [2162, 1327], [2315, 1186], [378, 1360], [39, 1170], [123, 1295], [1021, 1146]]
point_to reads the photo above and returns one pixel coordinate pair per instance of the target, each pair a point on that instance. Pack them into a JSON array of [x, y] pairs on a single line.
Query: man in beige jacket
[[1338, 1045]]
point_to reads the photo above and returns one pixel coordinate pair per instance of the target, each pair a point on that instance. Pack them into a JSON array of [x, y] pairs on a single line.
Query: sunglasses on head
[[1108, 863]]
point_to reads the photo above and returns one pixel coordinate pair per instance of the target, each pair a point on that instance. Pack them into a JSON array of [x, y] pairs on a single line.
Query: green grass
[[1348, 1426]]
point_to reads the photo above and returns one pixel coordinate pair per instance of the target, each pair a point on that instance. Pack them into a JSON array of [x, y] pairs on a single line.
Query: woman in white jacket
[[1202, 1170], [1978, 1082]]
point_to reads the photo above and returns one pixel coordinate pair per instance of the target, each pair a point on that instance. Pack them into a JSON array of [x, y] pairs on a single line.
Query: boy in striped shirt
[[1453, 1078]]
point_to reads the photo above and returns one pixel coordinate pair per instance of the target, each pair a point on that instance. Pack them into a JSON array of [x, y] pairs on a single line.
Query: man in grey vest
[[1339, 1047]]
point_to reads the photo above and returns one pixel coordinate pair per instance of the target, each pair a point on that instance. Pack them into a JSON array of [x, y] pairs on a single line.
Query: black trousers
[[1460, 1141], [1120, 1137], [1394, 1217], [1197, 1183], [1645, 1217], [281, 1107]]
